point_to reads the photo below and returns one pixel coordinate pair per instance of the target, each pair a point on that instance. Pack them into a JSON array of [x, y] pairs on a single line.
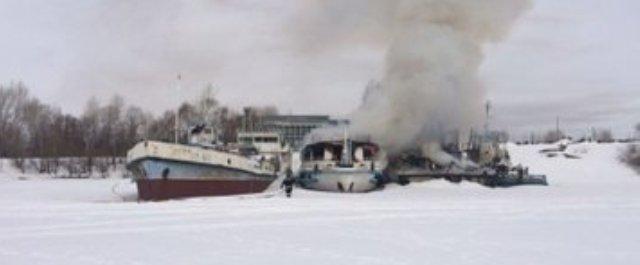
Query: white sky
[[578, 59]]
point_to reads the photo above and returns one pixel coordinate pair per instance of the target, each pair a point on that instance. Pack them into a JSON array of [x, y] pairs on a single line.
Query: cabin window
[[313, 153], [337, 153], [318, 153], [266, 139]]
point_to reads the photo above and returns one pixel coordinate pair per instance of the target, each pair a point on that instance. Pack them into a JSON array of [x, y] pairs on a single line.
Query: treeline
[[31, 128]]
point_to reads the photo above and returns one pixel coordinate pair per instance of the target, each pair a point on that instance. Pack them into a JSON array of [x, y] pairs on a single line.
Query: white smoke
[[430, 82]]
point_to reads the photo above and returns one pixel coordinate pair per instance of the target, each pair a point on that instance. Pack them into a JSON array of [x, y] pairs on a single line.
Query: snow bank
[[588, 215], [66, 167]]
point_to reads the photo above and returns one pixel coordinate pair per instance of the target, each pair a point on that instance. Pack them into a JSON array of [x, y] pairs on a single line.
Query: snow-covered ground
[[590, 214]]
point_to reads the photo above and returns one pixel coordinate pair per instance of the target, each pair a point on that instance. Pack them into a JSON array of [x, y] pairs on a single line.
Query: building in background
[[292, 128]]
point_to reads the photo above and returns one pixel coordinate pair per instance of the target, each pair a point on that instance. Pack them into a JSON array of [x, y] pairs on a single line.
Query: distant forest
[[31, 128]]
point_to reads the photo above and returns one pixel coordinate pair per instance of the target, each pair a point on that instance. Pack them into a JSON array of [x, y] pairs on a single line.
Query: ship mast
[[346, 149]]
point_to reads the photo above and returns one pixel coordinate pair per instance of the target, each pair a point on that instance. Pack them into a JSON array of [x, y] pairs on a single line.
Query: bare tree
[[135, 124], [29, 128], [12, 100], [159, 129], [230, 123], [207, 106], [90, 130], [110, 119]]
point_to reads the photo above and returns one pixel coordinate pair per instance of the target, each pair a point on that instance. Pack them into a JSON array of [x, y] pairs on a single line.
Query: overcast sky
[[577, 59]]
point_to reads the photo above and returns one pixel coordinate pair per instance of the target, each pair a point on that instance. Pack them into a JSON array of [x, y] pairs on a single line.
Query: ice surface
[[590, 214]]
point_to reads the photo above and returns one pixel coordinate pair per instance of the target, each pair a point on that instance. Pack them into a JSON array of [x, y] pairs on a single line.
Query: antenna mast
[[558, 134], [346, 149]]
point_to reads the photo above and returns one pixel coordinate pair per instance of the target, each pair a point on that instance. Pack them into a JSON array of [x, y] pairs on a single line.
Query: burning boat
[[482, 160], [342, 165], [170, 170]]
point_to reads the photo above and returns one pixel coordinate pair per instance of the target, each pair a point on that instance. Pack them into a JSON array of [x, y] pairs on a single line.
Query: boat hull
[[341, 180], [155, 190], [162, 179]]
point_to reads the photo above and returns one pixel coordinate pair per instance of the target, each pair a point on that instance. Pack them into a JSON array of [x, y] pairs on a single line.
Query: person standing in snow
[[288, 182]]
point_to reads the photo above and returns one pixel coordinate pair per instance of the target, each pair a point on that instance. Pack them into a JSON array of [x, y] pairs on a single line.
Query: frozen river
[[590, 214]]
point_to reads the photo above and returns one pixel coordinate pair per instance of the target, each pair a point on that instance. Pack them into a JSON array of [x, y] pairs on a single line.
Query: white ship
[[342, 165]]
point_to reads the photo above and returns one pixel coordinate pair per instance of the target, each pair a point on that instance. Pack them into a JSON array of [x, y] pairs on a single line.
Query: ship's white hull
[[341, 180]]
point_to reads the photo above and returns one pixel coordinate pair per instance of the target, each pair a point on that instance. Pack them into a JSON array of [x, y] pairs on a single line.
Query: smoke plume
[[430, 81]]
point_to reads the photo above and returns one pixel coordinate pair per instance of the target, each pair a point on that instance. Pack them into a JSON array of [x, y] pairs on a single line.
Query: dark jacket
[[288, 182]]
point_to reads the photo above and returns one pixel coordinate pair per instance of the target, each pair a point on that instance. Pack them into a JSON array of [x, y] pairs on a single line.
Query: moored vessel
[[166, 171], [342, 166]]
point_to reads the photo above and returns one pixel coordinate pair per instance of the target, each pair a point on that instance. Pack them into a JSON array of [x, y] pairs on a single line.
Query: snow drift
[[587, 215]]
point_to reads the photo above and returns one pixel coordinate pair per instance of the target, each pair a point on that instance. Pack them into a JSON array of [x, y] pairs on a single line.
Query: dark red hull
[[159, 189]]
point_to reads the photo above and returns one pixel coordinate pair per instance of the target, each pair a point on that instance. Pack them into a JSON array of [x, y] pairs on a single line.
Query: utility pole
[[177, 116], [558, 128], [487, 110], [532, 139]]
